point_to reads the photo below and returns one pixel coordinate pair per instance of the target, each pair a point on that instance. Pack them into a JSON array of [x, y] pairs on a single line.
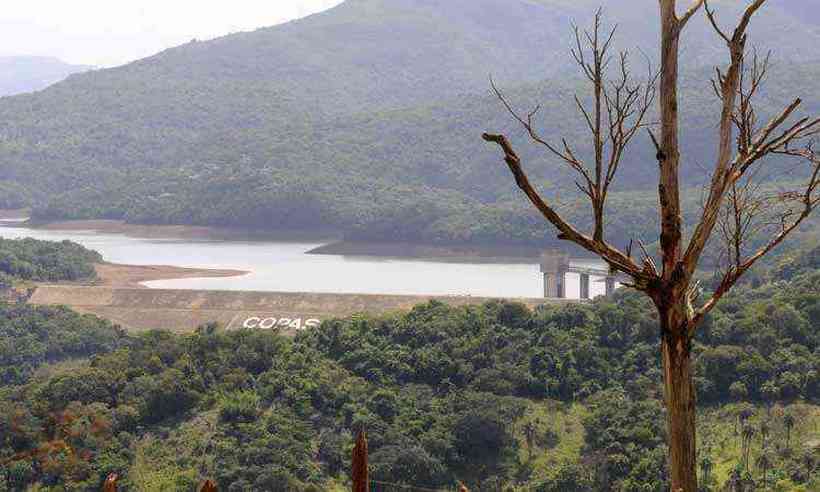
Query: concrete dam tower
[[556, 264], [554, 267]]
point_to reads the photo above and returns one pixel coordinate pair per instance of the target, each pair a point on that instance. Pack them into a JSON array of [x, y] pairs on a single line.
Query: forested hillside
[[45, 261], [365, 118], [564, 398]]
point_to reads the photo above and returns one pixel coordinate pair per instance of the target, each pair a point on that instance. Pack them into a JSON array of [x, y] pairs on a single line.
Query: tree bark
[[359, 467], [671, 298], [669, 152], [679, 391]]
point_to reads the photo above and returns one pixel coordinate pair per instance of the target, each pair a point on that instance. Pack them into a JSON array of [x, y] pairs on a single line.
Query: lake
[[284, 266]]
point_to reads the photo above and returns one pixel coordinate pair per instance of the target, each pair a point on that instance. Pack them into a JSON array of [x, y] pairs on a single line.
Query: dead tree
[[110, 484], [359, 467], [618, 113], [208, 486]]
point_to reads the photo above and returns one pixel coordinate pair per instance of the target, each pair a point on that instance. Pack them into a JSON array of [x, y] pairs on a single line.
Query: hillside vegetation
[[564, 398], [365, 119], [45, 261]]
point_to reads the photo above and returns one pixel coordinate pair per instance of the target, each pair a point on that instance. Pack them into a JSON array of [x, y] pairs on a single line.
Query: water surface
[[281, 266]]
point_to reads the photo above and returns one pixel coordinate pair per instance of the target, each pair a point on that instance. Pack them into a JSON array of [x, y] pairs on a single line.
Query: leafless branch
[[692, 11], [618, 110], [611, 255], [741, 224]]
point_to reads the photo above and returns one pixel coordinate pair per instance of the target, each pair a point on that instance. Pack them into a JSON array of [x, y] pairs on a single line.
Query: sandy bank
[[131, 276]]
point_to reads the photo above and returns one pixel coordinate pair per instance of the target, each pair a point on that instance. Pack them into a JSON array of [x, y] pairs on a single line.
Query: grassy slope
[[559, 419], [717, 431], [160, 459], [180, 451]]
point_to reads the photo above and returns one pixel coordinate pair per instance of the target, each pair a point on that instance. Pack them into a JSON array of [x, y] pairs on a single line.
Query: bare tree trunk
[[669, 151], [110, 484], [208, 486], [675, 338], [359, 468], [679, 393]]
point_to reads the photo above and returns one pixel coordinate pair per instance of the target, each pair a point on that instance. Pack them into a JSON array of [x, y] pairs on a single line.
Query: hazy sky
[[112, 32]]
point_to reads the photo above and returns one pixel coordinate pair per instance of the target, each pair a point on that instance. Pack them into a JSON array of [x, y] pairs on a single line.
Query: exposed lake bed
[[134, 276]]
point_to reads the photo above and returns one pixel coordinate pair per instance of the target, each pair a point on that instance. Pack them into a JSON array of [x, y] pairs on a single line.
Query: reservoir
[[285, 266]]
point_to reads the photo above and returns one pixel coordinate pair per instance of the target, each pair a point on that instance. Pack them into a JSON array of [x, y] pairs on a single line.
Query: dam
[[138, 309]]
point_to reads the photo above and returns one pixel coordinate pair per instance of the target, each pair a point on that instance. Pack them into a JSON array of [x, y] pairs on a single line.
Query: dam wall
[[184, 310]]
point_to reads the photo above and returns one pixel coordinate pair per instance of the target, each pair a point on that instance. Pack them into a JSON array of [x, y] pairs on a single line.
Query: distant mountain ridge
[[22, 74], [365, 118]]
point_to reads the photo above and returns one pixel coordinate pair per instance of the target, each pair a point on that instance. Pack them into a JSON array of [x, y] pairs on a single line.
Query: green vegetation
[[558, 399], [45, 261], [31, 338], [365, 119]]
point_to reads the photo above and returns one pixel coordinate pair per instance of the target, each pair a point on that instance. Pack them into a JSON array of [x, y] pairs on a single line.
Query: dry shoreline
[[132, 276]]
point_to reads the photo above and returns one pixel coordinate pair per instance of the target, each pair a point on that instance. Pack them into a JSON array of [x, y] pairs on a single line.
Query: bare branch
[[612, 256], [689, 13], [726, 170], [743, 214], [648, 261], [710, 14], [616, 113]]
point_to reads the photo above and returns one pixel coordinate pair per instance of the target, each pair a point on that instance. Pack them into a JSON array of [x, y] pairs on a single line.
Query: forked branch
[[737, 91], [615, 258], [743, 210], [617, 112]]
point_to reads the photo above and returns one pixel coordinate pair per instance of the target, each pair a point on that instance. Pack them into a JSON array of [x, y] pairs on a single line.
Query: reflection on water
[[285, 266]]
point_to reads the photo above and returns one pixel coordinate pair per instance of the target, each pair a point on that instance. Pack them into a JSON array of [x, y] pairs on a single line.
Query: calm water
[[285, 266]]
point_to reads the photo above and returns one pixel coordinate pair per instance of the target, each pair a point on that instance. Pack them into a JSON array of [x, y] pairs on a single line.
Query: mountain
[[21, 74], [365, 118]]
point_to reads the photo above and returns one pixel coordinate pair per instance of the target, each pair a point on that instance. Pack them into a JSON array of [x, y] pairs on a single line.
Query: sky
[[107, 33]]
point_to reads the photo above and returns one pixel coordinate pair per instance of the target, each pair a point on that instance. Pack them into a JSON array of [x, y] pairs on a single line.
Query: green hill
[[365, 118]]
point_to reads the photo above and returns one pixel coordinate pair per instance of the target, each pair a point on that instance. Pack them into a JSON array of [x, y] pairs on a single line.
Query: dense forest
[[365, 119], [45, 261], [563, 398]]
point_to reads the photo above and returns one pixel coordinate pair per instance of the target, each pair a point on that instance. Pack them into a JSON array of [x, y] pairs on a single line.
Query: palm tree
[[743, 415], [764, 462], [788, 422], [746, 444], [706, 466], [770, 391], [735, 479], [529, 436]]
